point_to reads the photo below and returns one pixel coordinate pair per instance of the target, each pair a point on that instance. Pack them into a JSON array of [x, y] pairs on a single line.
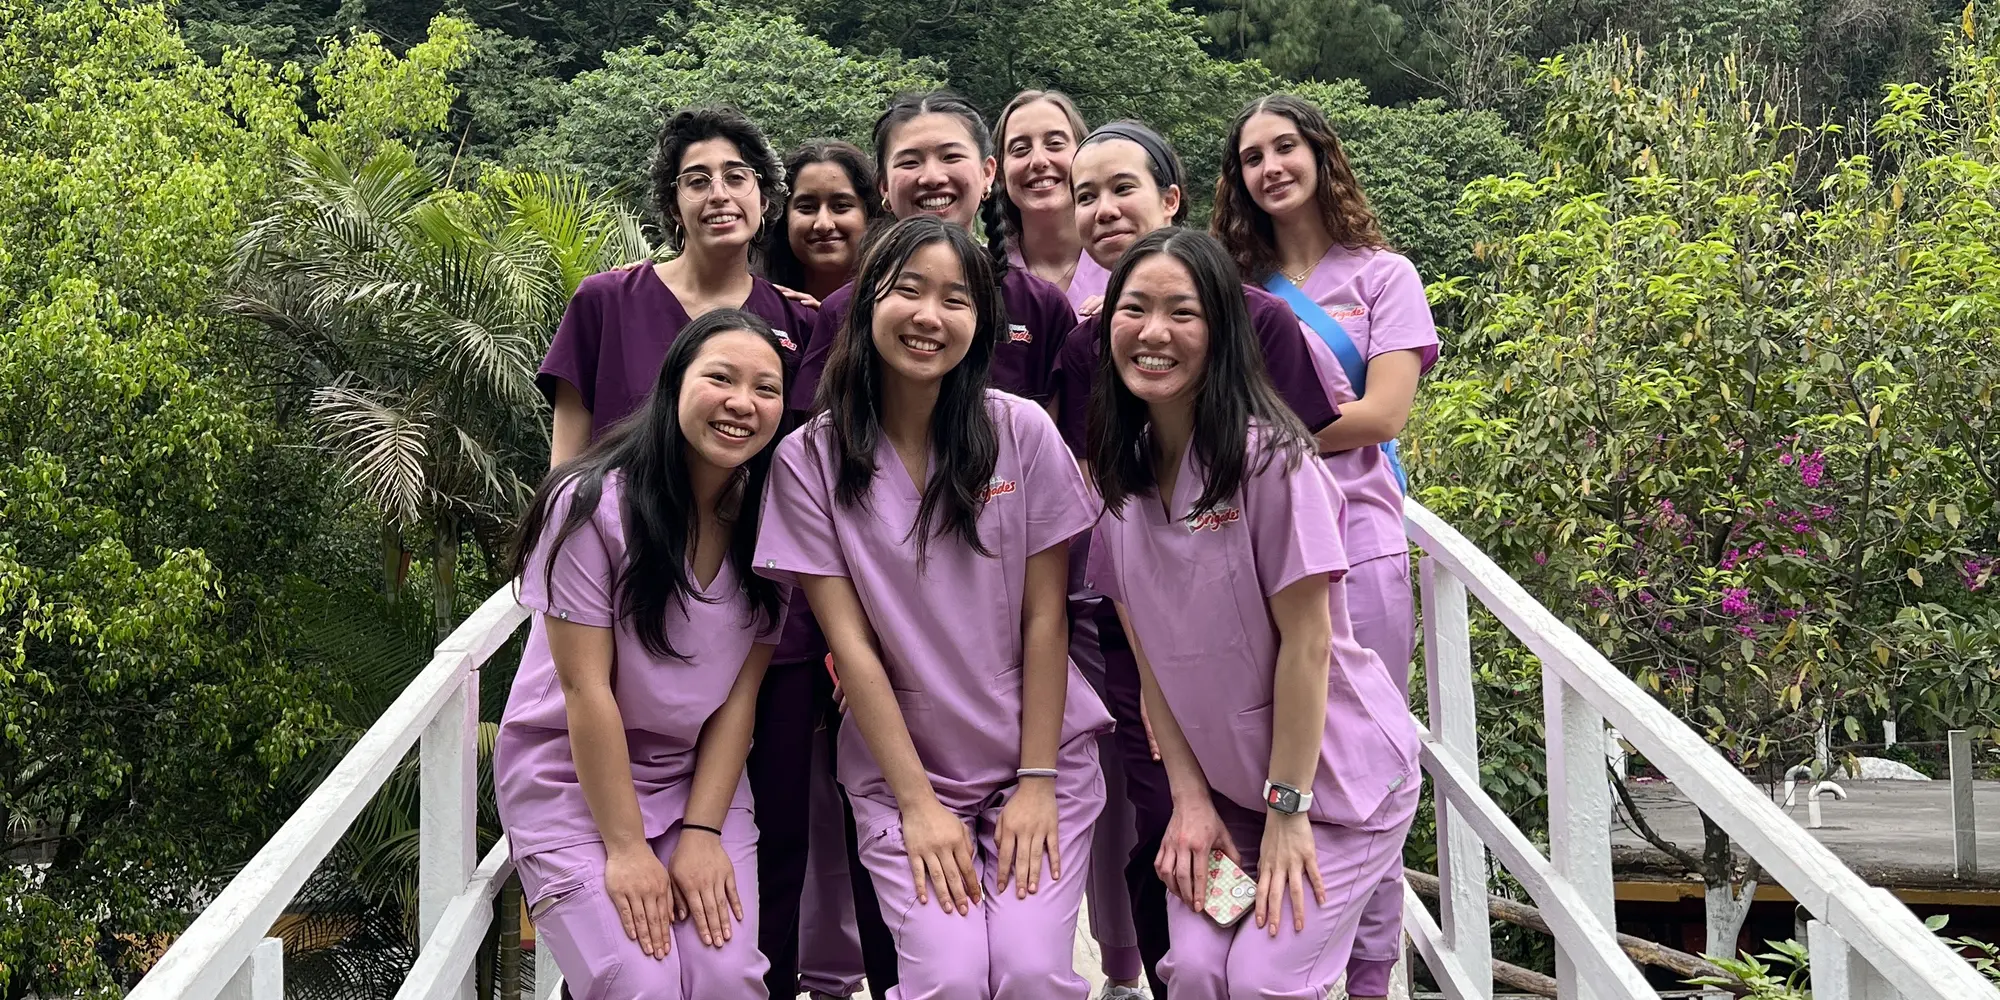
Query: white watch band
[[1305, 796]]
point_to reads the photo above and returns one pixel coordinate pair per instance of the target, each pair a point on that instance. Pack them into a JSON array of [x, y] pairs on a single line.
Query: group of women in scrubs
[[896, 594]]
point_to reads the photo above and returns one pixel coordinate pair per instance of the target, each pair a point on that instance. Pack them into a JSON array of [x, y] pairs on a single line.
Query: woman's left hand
[[704, 884], [1286, 863], [1027, 831]]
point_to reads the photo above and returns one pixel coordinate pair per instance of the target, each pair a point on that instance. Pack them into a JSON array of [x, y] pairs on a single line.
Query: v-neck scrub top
[[1197, 589], [616, 331], [663, 702], [1377, 297], [948, 626]]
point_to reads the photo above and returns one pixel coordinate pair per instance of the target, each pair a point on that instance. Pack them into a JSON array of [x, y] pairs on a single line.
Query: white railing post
[[548, 978], [1462, 872], [1840, 974], [449, 785], [261, 976], [1579, 813]]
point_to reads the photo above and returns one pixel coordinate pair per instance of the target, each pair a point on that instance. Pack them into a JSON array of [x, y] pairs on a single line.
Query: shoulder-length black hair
[[656, 502], [1234, 390], [1246, 228], [699, 125], [781, 265], [964, 444]]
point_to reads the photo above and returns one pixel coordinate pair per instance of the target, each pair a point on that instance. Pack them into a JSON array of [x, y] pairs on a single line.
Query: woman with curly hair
[[716, 186], [1290, 211]]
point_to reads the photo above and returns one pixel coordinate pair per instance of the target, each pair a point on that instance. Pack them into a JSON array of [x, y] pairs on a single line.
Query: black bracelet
[[704, 829]]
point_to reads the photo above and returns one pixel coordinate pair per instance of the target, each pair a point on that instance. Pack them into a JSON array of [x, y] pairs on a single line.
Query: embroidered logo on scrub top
[[1018, 334], [1347, 310], [1214, 519], [785, 340], [998, 487]]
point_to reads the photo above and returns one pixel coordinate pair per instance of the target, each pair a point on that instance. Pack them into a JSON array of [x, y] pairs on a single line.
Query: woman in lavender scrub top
[[810, 931], [1126, 182], [1288, 207], [928, 519], [936, 159], [716, 185], [1029, 219], [619, 766], [1287, 744]]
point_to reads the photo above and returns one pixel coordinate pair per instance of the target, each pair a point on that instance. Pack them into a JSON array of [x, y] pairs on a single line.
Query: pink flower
[[1665, 625], [1745, 630], [1728, 561], [1736, 601], [1788, 613], [1645, 597], [1785, 459], [1541, 559]]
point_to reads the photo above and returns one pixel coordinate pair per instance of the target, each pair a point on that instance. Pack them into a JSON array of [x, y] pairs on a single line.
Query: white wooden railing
[[1865, 944]]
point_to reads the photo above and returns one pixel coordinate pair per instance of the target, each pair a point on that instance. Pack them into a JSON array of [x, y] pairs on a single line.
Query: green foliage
[[1414, 163], [1363, 40], [368, 95], [1138, 59], [792, 84], [1783, 973], [1736, 428], [146, 701]]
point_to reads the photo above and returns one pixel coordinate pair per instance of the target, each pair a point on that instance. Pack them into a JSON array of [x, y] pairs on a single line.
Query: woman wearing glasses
[[716, 185]]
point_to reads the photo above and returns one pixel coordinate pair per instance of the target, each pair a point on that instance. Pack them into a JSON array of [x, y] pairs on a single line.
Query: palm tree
[[403, 319], [406, 319]]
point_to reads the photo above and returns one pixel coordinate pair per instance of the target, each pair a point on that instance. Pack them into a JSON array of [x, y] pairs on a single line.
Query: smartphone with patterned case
[[1231, 893]]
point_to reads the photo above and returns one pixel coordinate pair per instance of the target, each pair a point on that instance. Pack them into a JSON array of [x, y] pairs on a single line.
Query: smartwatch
[[1283, 798]]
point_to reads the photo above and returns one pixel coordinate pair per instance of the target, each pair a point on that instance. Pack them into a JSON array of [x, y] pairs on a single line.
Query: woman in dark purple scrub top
[[716, 185], [936, 158]]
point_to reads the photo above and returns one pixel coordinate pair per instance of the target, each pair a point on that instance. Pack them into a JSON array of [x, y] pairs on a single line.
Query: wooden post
[[1840, 974], [1964, 829], [1579, 814], [1468, 932], [449, 784]]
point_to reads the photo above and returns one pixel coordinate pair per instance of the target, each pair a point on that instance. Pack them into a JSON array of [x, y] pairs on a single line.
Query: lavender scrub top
[[1085, 283], [663, 702], [949, 628], [1197, 591], [1037, 318], [1287, 359], [1379, 300], [616, 331]]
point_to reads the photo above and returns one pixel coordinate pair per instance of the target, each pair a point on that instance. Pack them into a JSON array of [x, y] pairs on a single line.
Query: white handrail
[[1879, 929], [209, 952]]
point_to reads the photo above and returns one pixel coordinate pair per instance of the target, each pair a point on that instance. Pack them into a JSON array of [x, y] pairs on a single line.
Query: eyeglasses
[[735, 180]]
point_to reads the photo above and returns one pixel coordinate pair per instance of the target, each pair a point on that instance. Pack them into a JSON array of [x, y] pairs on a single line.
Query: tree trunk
[[510, 939], [392, 562], [444, 573], [1725, 912]]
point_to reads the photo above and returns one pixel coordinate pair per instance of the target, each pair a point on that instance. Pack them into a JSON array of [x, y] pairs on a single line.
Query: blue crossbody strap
[[1349, 356]]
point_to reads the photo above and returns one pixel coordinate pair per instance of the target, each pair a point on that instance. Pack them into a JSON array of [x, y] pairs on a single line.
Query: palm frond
[[381, 445]]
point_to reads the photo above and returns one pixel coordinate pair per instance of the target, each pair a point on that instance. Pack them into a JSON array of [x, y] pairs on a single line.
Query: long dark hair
[[1233, 392], [963, 439], [656, 502], [781, 265], [944, 102], [1246, 228], [699, 125], [1003, 220]]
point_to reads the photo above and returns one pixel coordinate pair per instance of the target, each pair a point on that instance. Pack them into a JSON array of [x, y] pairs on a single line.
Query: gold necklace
[[1299, 278]]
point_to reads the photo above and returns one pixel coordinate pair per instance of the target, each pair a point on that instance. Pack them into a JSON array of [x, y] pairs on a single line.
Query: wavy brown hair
[[1245, 228]]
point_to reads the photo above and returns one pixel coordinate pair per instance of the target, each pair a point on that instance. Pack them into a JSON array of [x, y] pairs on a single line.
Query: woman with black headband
[[1126, 181]]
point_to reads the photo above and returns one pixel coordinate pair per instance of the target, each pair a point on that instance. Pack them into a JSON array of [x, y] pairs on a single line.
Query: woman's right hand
[[1195, 830], [638, 886], [940, 850]]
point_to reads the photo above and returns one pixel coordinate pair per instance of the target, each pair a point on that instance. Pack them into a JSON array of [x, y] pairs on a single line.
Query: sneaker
[[1123, 993]]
